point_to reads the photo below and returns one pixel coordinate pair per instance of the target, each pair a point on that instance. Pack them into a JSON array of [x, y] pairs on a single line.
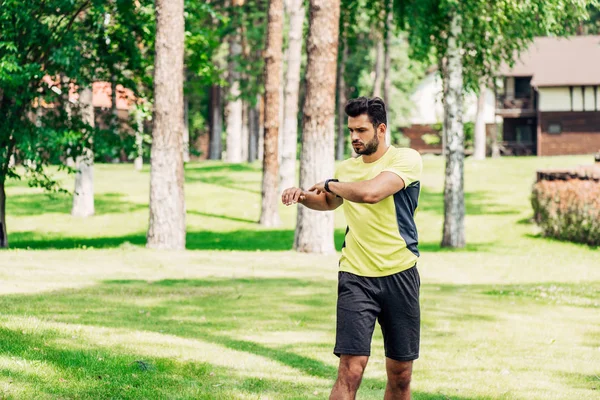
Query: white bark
[[292, 86], [480, 137], [234, 108], [379, 60], [186, 130], [454, 198], [139, 142], [83, 196]]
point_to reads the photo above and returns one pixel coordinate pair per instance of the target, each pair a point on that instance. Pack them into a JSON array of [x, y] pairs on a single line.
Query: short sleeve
[[408, 165]]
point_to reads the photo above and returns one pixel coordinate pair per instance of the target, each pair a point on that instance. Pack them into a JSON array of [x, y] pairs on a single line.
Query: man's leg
[[399, 374], [350, 373]]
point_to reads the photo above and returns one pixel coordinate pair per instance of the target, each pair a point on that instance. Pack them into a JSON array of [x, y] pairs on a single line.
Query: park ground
[[86, 312]]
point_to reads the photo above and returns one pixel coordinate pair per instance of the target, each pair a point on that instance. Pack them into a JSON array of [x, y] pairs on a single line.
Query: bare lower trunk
[[314, 230], [186, 129], [292, 86], [495, 146], [216, 123], [378, 68], [454, 198], [253, 132], [139, 142], [167, 205], [3, 231], [83, 196], [480, 139], [269, 215], [261, 128], [245, 130], [234, 105], [341, 117], [387, 69]]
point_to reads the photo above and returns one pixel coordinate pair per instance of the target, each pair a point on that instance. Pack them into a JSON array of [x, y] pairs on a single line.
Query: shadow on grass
[[228, 313], [240, 240], [241, 177], [553, 239], [39, 204]]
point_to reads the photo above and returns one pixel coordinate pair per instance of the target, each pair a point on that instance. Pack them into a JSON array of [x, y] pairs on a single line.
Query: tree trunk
[[3, 231], [480, 139], [454, 198], [245, 130], [167, 205], [83, 197], [234, 108], [378, 68], [139, 142], [253, 132], [314, 230], [216, 123], [341, 97], [269, 215], [186, 129], [292, 87], [261, 128], [387, 69]]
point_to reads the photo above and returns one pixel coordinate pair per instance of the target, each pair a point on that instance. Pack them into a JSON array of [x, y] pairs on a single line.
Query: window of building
[[522, 87], [554, 128]]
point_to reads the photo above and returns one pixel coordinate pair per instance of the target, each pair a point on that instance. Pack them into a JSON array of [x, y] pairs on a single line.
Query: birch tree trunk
[[269, 215], [454, 198], [83, 196], [234, 108], [314, 230], [139, 141], [292, 86], [186, 129], [480, 139], [378, 68], [167, 204], [387, 69], [253, 131], [216, 123], [341, 96]]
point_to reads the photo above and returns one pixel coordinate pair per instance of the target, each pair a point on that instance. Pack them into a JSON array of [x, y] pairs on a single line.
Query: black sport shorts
[[393, 300]]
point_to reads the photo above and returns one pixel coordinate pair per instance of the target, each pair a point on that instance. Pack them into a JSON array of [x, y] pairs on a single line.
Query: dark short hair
[[374, 108]]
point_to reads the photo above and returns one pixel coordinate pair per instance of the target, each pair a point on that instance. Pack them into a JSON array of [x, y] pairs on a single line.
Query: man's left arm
[[370, 191]]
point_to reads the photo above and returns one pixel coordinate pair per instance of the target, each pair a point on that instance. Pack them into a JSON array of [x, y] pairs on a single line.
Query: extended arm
[[370, 191], [316, 201]]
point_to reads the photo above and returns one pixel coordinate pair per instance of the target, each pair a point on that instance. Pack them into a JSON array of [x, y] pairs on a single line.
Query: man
[[378, 278]]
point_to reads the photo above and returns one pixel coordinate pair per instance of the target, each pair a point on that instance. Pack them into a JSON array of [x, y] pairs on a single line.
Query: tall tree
[[454, 204], [83, 196], [387, 67], [480, 137], [167, 204], [474, 38], [273, 57], [379, 60], [314, 230], [295, 10], [341, 97], [216, 122], [234, 106]]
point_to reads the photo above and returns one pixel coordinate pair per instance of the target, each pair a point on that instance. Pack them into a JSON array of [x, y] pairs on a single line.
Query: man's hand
[[318, 188], [292, 196]]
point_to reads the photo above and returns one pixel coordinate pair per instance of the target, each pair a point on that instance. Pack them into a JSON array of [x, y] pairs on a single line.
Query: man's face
[[363, 135]]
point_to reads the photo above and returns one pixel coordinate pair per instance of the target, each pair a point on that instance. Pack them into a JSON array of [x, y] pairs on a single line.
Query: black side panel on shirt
[[406, 202], [345, 234]]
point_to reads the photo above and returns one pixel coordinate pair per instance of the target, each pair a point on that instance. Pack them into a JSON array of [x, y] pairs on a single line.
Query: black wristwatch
[[327, 185]]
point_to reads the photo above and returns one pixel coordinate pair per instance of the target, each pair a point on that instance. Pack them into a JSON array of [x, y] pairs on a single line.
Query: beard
[[367, 149]]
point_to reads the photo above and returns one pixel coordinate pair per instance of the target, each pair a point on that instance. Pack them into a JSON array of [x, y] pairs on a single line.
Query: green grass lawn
[[86, 312]]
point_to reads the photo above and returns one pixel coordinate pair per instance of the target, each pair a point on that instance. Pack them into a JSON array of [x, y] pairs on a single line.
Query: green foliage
[[493, 32], [568, 210], [50, 48]]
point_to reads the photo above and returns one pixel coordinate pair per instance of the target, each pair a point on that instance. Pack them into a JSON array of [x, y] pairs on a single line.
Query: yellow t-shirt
[[381, 239]]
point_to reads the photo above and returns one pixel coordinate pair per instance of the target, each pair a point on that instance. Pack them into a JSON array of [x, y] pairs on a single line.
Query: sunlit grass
[[89, 313]]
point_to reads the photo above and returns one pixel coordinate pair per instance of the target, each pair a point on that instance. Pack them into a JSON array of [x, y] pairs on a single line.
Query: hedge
[[568, 209]]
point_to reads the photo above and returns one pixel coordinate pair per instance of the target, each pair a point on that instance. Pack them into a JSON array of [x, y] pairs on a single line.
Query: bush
[[568, 209]]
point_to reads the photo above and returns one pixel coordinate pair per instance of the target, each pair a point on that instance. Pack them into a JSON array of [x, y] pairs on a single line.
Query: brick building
[[549, 100]]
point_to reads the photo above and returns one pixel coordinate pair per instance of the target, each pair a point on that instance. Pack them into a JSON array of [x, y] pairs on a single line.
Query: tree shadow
[[238, 240], [231, 176], [218, 311], [553, 239], [39, 204], [220, 216], [476, 203]]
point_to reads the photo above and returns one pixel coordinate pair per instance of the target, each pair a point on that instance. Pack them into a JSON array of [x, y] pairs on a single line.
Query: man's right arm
[[319, 202]]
